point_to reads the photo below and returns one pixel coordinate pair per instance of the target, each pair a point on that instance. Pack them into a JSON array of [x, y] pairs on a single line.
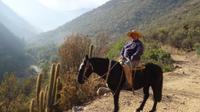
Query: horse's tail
[[160, 87]]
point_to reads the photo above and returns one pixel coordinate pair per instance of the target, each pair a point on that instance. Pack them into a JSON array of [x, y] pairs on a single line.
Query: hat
[[135, 33]]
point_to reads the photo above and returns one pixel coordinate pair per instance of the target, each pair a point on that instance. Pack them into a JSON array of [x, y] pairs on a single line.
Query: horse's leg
[[154, 107], [116, 100], [156, 97], [146, 96]]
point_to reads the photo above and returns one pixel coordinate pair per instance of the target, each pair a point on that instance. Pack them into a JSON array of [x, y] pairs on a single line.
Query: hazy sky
[[49, 14]]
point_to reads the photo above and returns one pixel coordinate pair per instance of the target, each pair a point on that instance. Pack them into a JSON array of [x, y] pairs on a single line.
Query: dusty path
[[181, 91]]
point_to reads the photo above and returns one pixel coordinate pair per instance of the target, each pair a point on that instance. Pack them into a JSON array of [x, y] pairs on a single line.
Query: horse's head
[[85, 70]]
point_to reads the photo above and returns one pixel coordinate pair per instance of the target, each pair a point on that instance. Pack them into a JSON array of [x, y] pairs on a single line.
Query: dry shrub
[[102, 44], [75, 94], [72, 51]]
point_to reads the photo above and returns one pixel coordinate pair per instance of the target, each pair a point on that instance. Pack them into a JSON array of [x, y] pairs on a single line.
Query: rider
[[131, 53]]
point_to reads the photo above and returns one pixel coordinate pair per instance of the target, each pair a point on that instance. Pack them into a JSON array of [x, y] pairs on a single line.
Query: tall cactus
[[58, 84], [49, 97], [38, 88], [91, 50], [45, 99], [45, 96], [31, 107], [55, 82], [41, 102]]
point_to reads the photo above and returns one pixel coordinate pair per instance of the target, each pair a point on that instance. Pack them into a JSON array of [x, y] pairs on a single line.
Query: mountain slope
[[12, 53], [115, 17], [14, 23]]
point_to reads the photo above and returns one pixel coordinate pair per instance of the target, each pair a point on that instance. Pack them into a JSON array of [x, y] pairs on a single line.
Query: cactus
[[38, 88], [41, 102], [55, 82], [49, 97], [91, 50], [31, 107], [58, 83], [46, 98]]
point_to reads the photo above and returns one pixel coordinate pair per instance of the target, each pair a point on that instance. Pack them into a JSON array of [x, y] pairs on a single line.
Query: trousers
[[128, 68]]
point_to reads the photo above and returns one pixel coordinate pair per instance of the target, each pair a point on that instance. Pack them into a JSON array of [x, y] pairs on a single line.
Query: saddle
[[130, 73], [139, 67]]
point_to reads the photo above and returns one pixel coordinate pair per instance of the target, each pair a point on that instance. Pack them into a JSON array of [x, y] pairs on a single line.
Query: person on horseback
[[131, 54]]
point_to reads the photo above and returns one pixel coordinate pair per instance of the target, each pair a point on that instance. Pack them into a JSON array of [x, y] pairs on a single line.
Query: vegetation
[[14, 93], [154, 54], [179, 28], [73, 50], [71, 53]]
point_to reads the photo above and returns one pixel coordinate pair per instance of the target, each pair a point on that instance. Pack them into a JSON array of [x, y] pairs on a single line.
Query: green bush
[[115, 49], [157, 55]]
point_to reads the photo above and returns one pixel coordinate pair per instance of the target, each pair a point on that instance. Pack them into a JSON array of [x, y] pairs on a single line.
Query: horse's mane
[[101, 59]]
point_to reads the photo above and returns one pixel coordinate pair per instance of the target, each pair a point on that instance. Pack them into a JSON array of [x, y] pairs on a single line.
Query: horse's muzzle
[[81, 81]]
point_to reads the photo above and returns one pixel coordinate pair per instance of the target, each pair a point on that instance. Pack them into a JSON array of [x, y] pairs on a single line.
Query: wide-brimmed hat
[[135, 33]]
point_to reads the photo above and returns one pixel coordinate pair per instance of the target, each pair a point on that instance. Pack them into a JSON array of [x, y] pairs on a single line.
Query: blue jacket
[[133, 50]]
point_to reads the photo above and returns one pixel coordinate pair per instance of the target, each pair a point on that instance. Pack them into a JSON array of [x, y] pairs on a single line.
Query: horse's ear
[[86, 57]]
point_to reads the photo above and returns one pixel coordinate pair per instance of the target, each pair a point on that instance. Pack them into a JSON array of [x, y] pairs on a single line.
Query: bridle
[[88, 64]]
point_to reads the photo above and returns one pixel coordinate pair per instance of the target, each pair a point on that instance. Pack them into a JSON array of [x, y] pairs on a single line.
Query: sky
[[49, 14]]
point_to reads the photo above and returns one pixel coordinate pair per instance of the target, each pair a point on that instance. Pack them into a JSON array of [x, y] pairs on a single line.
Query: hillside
[[118, 16], [15, 23], [12, 53]]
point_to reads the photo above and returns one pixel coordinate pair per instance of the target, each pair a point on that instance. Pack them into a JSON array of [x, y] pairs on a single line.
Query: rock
[[102, 91], [77, 108]]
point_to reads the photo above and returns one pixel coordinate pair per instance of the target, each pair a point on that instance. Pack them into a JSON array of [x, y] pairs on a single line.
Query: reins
[[110, 67]]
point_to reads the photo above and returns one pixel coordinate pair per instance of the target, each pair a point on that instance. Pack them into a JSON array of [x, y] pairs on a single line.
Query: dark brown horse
[[112, 72]]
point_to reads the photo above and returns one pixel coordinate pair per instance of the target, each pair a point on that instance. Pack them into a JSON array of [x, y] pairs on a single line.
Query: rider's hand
[[121, 58]]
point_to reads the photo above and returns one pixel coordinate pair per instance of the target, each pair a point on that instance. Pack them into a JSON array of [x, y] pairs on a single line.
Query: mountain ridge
[[117, 17], [16, 24]]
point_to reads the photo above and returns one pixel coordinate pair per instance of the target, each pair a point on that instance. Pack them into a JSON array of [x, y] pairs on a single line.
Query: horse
[[112, 71]]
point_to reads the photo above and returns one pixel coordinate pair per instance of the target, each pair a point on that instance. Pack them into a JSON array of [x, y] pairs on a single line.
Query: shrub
[[73, 50], [14, 93], [75, 94], [157, 55], [115, 48], [71, 54]]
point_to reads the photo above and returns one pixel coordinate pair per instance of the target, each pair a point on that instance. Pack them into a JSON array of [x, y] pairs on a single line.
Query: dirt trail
[[181, 91]]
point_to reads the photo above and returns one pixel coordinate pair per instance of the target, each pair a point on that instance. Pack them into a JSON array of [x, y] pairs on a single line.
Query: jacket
[[133, 50]]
